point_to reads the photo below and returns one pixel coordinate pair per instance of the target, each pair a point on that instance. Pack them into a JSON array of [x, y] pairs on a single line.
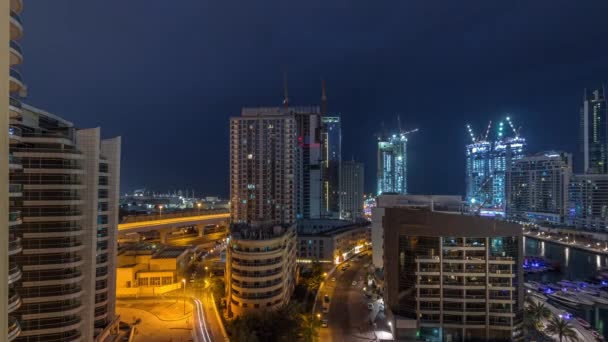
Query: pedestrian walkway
[[154, 327]]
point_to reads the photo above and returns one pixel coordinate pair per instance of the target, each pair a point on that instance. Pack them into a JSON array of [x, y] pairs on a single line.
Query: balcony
[[16, 82], [14, 134], [50, 325], [51, 277], [15, 190], [14, 246], [14, 163], [16, 54], [14, 300], [14, 218], [14, 273], [16, 26], [13, 328], [17, 5], [14, 108]]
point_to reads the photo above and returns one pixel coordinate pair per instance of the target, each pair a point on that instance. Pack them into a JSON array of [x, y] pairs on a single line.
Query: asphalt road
[[348, 317]]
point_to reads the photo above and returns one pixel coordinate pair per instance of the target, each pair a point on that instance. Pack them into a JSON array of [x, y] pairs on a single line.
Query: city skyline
[[204, 91]]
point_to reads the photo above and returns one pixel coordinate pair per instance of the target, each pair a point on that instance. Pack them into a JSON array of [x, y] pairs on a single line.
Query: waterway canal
[[575, 264]]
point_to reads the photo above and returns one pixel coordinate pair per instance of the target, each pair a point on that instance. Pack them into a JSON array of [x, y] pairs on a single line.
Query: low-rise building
[[331, 240], [260, 267], [145, 272]]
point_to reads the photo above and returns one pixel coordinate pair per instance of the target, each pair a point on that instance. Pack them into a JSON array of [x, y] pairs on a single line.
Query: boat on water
[[583, 323], [538, 296], [595, 299], [568, 299]]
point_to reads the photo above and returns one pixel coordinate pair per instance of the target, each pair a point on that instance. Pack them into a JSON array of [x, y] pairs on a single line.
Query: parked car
[[370, 306], [324, 323], [354, 283], [326, 299]]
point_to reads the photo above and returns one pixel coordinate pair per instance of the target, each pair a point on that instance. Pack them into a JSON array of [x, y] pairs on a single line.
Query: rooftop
[[258, 232], [170, 253]]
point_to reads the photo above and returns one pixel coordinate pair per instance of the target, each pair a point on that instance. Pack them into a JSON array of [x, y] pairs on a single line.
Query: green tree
[[309, 327], [561, 328], [537, 311]]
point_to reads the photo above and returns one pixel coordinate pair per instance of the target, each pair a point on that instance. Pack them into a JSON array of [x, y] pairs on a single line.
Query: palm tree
[[561, 328], [309, 325], [537, 311]]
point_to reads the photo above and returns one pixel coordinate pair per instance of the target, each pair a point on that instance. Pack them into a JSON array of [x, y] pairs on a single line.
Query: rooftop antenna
[[285, 92], [323, 98]]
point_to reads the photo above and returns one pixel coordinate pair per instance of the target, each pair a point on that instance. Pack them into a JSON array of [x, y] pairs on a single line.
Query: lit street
[[348, 317]]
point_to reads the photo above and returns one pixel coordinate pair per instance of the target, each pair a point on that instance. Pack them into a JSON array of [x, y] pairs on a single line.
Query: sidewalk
[[153, 329]]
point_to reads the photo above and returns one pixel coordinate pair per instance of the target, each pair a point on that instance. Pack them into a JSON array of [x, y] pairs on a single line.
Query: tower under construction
[[487, 161]]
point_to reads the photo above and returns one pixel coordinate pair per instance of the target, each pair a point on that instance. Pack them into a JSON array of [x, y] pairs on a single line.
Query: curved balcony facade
[[14, 300], [14, 108], [17, 5], [16, 25], [13, 328], [14, 246], [16, 83], [16, 55], [14, 273], [261, 270]]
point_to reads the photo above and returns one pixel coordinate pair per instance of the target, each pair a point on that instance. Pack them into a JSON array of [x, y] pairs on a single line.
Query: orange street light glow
[[152, 223]]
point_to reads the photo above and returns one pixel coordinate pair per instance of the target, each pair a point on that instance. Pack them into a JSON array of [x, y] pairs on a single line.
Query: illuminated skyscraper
[[392, 163], [332, 157], [351, 189], [537, 187], [486, 167], [594, 132]]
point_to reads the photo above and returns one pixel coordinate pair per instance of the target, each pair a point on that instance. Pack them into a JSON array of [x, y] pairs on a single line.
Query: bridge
[[167, 225]]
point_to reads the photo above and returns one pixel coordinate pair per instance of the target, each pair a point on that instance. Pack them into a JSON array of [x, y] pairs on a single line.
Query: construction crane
[[471, 133], [515, 131], [488, 131]]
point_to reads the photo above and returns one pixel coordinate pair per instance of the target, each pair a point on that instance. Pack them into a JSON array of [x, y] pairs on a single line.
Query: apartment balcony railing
[[14, 216], [41, 308], [16, 51], [13, 102], [51, 323], [14, 189], [14, 329], [14, 300], [16, 25], [14, 273], [15, 132], [14, 246]]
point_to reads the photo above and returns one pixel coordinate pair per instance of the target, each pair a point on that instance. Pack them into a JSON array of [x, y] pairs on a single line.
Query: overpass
[[165, 226]]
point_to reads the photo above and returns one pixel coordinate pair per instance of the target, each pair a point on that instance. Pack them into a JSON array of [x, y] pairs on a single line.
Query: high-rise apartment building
[[594, 131], [264, 166], [487, 162], [332, 157], [260, 267], [537, 187], [392, 164], [352, 176], [452, 277], [308, 123], [66, 188], [588, 201], [11, 84]]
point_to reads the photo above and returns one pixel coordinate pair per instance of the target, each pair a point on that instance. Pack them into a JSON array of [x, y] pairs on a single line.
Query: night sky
[[167, 75]]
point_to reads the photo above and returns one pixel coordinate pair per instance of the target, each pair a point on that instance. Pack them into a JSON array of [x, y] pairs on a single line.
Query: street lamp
[[160, 211], [198, 205], [184, 281]]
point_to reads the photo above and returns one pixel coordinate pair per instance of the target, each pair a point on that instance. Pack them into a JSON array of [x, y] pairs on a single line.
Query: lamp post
[[160, 211], [184, 281], [198, 205]]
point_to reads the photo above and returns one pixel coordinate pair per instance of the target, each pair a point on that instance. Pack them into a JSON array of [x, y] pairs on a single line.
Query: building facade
[[594, 131], [352, 178], [452, 277], [264, 166], [331, 241], [67, 217], [11, 84], [431, 202], [537, 187], [392, 164], [588, 202], [332, 158], [260, 268]]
